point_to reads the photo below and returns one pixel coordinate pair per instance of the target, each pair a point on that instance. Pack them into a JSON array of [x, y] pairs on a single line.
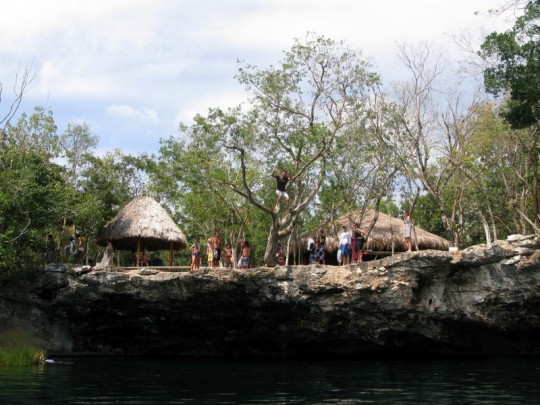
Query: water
[[218, 381]]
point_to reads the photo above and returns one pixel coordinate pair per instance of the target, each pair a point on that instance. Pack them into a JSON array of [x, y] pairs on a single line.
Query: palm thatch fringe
[[143, 224]]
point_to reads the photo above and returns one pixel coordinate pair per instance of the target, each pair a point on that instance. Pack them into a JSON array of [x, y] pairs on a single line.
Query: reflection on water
[[217, 381]]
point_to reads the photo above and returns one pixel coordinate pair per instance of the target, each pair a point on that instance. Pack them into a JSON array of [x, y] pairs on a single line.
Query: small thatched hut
[[386, 234], [143, 224]]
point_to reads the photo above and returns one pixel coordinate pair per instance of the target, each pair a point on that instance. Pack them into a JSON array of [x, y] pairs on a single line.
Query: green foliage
[[106, 185], [76, 144], [17, 348], [31, 206], [427, 215], [317, 114], [39, 197], [34, 134], [22, 356], [300, 111], [515, 59]]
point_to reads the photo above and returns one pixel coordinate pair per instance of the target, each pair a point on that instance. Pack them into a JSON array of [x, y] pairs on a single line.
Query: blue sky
[[134, 69]]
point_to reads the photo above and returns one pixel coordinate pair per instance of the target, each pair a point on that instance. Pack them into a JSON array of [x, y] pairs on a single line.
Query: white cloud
[[126, 112], [99, 59], [201, 104]]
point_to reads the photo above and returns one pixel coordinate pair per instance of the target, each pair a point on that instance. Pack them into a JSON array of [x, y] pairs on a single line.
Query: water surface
[[218, 381]]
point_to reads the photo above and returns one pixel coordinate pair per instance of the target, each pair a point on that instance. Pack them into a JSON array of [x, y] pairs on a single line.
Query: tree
[[34, 133], [417, 136], [105, 186], [76, 143], [298, 112], [505, 156], [363, 173], [33, 190], [22, 82], [514, 58]]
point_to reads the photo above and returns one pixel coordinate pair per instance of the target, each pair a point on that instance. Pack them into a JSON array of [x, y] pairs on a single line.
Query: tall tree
[[34, 133], [23, 79], [76, 142], [363, 173], [418, 133], [32, 197], [514, 58], [33, 193], [298, 112]]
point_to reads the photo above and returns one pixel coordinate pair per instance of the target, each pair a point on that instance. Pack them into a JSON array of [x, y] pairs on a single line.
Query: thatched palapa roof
[[143, 224], [387, 231]]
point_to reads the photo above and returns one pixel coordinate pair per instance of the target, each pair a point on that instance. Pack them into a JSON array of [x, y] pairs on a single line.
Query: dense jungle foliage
[[464, 162]]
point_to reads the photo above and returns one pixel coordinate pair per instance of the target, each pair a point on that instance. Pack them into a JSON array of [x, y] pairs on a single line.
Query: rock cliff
[[479, 301]]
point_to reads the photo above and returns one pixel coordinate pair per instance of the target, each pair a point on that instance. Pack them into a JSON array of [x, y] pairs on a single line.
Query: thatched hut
[[386, 234], [144, 224]]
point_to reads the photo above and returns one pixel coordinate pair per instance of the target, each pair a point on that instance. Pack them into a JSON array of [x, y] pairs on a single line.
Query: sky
[[134, 69]]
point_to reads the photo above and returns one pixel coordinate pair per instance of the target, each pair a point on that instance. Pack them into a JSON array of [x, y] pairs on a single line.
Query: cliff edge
[[479, 301]]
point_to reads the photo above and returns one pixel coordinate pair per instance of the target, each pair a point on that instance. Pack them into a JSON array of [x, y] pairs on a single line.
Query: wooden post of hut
[[171, 254], [138, 252]]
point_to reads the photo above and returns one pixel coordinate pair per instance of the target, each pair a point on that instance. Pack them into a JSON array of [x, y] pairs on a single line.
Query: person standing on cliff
[[407, 230], [210, 252], [344, 245], [321, 239], [196, 254], [70, 249], [358, 240], [282, 180], [243, 263], [51, 249], [80, 248], [228, 255], [216, 244]]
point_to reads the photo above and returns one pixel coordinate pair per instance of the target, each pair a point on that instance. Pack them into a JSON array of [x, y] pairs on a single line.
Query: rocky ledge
[[479, 301]]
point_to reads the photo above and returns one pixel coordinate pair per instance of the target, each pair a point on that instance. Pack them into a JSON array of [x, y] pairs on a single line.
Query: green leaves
[[514, 57], [29, 207]]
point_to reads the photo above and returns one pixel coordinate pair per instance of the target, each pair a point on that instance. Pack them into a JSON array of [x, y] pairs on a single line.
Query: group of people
[[351, 248], [216, 257], [74, 250], [351, 244], [316, 248]]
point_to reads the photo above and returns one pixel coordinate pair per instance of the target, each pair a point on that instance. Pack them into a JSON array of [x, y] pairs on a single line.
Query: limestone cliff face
[[473, 302]]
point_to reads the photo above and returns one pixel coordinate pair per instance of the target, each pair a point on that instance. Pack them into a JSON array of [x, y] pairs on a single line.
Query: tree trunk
[[107, 260], [273, 238], [485, 224]]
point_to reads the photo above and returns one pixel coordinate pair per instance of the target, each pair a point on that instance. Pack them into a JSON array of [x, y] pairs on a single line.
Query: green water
[[218, 381]]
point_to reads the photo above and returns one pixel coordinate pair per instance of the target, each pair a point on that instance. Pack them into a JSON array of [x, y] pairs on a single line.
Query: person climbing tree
[[282, 180]]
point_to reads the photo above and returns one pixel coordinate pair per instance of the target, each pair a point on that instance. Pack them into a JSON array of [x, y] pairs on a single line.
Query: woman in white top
[[344, 245], [407, 230]]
